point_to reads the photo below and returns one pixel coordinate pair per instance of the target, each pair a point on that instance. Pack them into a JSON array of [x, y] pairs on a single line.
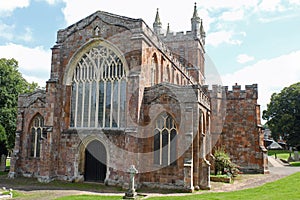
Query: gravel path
[[43, 192]]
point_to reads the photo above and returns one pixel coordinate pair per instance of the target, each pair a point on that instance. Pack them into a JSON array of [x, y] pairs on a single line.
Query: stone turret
[[157, 24], [196, 21], [202, 33]]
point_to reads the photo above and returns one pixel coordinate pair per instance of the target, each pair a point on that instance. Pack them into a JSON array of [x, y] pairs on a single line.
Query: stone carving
[[131, 194]]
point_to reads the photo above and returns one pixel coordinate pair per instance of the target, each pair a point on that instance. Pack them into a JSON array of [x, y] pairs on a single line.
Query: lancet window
[[36, 132], [98, 90]]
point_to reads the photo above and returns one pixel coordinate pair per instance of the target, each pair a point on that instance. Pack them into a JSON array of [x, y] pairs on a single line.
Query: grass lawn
[[282, 154], [8, 162], [295, 164], [285, 188], [88, 197]]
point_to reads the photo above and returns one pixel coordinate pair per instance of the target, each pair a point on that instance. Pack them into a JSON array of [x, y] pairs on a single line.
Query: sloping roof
[[274, 145]]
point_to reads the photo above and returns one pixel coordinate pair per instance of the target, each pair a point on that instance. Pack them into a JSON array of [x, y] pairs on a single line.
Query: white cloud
[[52, 2], [6, 31], [271, 5], [26, 36], [232, 4], [7, 6], [168, 11], [233, 15], [217, 38], [244, 58], [271, 75], [277, 18], [31, 61], [297, 2]]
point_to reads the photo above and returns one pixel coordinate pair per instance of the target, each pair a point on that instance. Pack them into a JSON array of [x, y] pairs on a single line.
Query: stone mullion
[[97, 103], [90, 102], [160, 147], [35, 142], [82, 105], [169, 145], [104, 104], [76, 105], [119, 101], [111, 103]]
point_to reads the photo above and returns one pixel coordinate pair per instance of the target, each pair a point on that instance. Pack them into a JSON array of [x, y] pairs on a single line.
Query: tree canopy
[[283, 114], [11, 85]]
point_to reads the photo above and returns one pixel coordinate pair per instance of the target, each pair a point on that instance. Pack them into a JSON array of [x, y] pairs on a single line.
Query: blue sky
[[249, 41]]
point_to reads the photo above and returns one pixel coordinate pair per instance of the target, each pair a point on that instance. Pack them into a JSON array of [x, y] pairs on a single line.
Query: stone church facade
[[121, 94]]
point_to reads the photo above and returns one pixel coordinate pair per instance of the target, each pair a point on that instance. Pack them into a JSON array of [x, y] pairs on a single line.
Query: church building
[[122, 94]]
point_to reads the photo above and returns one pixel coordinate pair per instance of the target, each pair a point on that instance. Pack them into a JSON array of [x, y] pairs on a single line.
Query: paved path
[[277, 171]]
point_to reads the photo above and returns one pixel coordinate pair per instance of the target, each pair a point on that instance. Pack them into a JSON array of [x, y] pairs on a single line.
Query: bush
[[223, 163]]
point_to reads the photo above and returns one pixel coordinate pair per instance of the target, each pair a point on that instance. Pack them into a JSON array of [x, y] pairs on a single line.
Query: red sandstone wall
[[241, 132]]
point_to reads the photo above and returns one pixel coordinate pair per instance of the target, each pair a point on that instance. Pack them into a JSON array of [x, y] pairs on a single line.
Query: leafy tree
[[283, 114], [11, 85]]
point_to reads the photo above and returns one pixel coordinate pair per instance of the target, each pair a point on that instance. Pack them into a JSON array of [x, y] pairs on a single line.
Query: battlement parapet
[[177, 36], [218, 91]]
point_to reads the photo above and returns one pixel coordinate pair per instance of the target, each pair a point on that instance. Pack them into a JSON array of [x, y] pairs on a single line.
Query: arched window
[[154, 70], [36, 129], [98, 90], [168, 74], [165, 140]]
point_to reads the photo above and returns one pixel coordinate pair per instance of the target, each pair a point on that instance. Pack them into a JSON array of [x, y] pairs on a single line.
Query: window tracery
[[165, 140], [98, 90]]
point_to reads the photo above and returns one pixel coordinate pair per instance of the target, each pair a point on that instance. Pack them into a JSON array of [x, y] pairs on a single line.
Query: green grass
[[286, 188], [282, 154], [3, 173], [89, 197], [295, 164], [8, 163]]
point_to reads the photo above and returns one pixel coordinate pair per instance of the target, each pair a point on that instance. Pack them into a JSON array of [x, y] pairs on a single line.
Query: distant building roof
[[274, 145]]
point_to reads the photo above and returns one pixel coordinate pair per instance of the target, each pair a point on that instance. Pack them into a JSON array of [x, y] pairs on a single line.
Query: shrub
[[223, 163]]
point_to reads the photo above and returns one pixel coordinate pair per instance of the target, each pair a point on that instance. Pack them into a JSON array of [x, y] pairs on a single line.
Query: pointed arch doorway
[[95, 162]]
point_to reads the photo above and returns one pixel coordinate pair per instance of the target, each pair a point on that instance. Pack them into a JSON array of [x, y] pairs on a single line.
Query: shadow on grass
[[30, 184]]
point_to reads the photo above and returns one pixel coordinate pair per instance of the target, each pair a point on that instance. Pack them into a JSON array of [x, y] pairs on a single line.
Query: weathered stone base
[[12, 175], [44, 179]]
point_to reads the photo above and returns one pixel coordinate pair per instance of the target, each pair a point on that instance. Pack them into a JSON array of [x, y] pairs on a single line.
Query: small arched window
[[154, 70], [165, 140], [36, 129]]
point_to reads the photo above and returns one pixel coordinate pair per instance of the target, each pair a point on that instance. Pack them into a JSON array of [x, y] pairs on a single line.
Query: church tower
[[157, 24]]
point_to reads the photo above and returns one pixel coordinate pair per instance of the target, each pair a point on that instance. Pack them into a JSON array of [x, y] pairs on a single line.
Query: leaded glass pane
[[108, 104], [32, 141], [165, 141], [101, 104], [156, 147], [86, 105], [122, 102], [96, 92], [173, 149], [115, 114], [93, 103], [79, 104], [38, 140]]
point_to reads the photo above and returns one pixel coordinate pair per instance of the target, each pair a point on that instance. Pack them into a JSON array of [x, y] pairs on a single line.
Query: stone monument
[[131, 194]]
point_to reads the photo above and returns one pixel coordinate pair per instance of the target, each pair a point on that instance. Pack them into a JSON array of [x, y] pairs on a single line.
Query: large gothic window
[[98, 90], [165, 141], [36, 132]]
